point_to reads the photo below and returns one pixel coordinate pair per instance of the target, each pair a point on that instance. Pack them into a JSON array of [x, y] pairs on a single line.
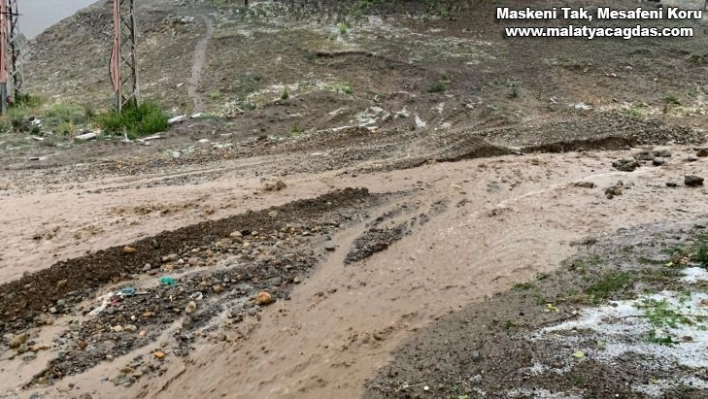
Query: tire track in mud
[[198, 66]]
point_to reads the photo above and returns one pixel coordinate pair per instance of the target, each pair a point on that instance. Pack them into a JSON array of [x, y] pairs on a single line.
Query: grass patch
[[296, 130], [135, 121], [671, 99], [341, 88], [437, 87], [524, 286], [607, 285], [285, 94], [700, 256]]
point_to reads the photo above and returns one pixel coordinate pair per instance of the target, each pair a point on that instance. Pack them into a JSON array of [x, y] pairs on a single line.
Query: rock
[[663, 153], [252, 311], [645, 156], [191, 307], [625, 165], [297, 280], [18, 340], [176, 119], [671, 184], [693, 181], [53, 310], [658, 161], [29, 356], [62, 283], [131, 328], [275, 281], [236, 234], [264, 298], [702, 152], [129, 250], [147, 267], [117, 328], [330, 246], [159, 355], [691, 159], [148, 315], [273, 214], [585, 184], [218, 288], [277, 186]]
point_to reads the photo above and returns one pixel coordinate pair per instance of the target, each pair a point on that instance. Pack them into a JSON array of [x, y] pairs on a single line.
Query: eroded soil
[[309, 246]]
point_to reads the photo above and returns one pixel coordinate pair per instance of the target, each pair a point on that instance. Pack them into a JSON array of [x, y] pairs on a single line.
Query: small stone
[[218, 288], [236, 234], [191, 307], [693, 181], [275, 281], [330, 246], [297, 280], [148, 315], [671, 184], [252, 311], [53, 310], [129, 250], [658, 161], [62, 283], [264, 298], [159, 355], [147, 267], [691, 159], [117, 328], [273, 214], [702, 152], [131, 328], [18, 340], [585, 184], [663, 153]]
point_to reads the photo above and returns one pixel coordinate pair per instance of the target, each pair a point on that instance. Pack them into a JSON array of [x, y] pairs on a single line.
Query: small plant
[[136, 121], [524, 286], [542, 276], [285, 94], [607, 285], [27, 100], [656, 338], [513, 90], [444, 77], [437, 87], [215, 95], [343, 89], [343, 28], [671, 99], [295, 131], [67, 128], [62, 114], [701, 255]]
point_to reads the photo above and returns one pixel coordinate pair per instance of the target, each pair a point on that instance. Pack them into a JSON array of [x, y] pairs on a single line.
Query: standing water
[[38, 15]]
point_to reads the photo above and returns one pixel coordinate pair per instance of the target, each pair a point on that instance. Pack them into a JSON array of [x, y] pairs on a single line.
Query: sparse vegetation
[[524, 286], [135, 121], [608, 284], [296, 130], [437, 87], [285, 94]]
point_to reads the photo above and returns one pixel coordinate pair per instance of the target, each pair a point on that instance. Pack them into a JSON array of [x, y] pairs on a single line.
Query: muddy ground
[[377, 233]]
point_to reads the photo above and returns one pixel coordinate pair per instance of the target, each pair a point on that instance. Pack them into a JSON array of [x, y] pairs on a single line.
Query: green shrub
[[138, 121], [437, 87], [64, 113]]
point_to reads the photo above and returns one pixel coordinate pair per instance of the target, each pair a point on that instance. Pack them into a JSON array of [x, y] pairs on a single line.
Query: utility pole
[[15, 44], [123, 68], [3, 56]]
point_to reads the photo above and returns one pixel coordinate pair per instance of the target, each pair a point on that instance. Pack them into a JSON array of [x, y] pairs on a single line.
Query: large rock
[[625, 165], [693, 181]]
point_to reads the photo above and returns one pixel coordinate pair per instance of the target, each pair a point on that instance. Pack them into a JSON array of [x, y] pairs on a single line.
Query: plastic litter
[[128, 291], [167, 281]]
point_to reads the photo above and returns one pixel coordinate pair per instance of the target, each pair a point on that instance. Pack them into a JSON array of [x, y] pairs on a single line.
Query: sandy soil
[[288, 281]]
